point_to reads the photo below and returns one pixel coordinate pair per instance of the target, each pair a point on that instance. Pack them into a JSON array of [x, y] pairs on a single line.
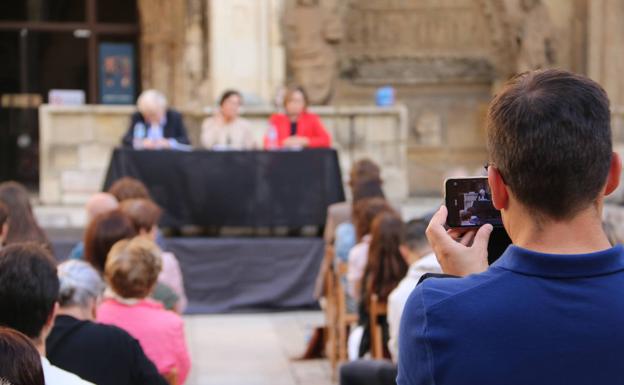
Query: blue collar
[[529, 262]]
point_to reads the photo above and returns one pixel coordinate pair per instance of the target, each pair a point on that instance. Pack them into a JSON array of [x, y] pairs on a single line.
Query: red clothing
[[160, 332], [308, 125]]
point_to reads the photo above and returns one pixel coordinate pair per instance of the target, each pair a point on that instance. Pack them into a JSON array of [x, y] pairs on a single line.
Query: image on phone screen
[[469, 203]]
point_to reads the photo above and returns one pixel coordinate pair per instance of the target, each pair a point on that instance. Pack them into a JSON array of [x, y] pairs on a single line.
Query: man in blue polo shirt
[[551, 309]]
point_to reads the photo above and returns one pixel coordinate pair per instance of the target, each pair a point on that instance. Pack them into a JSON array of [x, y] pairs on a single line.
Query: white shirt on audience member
[[58, 376], [398, 297], [358, 256]]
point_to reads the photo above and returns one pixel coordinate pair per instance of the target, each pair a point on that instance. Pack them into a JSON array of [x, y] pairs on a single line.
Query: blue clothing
[[77, 252], [531, 318], [345, 240]]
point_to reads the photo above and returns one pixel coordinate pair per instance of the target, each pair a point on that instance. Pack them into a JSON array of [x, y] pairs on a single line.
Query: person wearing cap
[[102, 354]]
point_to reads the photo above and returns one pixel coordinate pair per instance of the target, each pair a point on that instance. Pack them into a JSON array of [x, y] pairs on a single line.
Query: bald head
[[100, 203]]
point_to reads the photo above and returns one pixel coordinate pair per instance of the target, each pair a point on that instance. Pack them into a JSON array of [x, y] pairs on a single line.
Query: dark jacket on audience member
[[174, 128], [102, 354]]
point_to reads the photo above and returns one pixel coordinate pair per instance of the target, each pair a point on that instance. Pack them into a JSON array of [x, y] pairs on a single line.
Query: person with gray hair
[[154, 126], [102, 354]]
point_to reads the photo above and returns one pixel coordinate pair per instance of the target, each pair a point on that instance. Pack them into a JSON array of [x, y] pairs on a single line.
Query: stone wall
[[76, 144]]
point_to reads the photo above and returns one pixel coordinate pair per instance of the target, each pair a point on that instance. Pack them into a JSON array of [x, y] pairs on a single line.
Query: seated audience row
[[155, 126]]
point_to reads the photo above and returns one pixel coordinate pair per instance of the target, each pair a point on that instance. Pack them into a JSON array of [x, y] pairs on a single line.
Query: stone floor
[[254, 349]]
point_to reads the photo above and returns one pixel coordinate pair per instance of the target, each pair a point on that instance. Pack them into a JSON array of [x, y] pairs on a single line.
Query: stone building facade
[[444, 58]]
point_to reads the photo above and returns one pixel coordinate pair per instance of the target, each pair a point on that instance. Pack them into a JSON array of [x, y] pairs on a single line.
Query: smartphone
[[469, 203]]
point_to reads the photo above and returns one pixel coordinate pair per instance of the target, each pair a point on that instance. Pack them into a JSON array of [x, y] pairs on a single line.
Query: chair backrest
[[172, 377], [376, 309]]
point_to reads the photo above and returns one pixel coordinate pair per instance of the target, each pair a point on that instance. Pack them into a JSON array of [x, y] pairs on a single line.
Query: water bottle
[[272, 138], [138, 135]]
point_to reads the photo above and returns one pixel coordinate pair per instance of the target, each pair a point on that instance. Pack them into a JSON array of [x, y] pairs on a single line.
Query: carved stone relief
[[311, 32]]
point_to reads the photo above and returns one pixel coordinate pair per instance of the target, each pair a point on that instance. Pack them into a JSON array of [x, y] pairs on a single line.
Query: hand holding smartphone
[[469, 203]]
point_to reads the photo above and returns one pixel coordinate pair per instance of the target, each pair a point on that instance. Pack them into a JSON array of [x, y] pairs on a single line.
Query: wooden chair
[[172, 377], [330, 309], [376, 309], [345, 318]]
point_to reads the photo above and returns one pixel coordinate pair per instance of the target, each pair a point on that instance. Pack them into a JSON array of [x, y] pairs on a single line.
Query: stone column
[[606, 48], [246, 50]]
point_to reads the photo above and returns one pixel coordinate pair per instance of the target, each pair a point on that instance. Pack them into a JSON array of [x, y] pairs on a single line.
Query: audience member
[[155, 126], [363, 172], [132, 270], [99, 203], [385, 268], [102, 354], [296, 128], [145, 215], [29, 290], [23, 226], [128, 188], [365, 213], [418, 256], [4, 223], [346, 236], [421, 260], [546, 311], [102, 233], [226, 129], [20, 363]]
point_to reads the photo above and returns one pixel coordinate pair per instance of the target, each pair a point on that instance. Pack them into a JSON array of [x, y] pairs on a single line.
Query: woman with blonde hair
[[131, 272]]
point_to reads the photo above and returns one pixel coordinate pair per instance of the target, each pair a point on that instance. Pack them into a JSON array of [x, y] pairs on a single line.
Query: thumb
[[483, 236]]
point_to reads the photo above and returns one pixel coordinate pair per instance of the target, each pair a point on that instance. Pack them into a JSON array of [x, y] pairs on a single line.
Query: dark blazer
[[102, 354], [174, 128]]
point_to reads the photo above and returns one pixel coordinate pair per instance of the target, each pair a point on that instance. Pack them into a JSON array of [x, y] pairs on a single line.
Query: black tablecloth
[[235, 188]]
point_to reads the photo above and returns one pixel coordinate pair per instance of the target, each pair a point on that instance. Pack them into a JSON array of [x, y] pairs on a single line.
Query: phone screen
[[469, 203]]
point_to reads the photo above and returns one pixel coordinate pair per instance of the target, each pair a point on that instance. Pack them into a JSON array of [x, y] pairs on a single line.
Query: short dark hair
[[290, 91], [415, 236], [128, 188], [227, 94], [4, 215], [29, 287], [549, 135], [102, 233], [21, 362]]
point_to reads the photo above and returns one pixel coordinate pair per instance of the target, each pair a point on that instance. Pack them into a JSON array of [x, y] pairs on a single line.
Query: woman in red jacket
[[297, 128]]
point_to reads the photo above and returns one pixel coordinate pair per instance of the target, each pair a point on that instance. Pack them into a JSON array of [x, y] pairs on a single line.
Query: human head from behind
[[364, 171], [415, 244], [295, 102], [549, 140], [81, 288], [100, 203], [29, 290], [385, 266], [21, 362], [152, 105], [144, 215], [128, 188], [365, 212], [102, 233], [551, 164], [23, 226], [230, 104], [4, 223], [132, 267]]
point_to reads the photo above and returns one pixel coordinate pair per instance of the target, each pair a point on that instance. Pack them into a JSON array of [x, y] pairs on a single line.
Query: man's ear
[[615, 170], [500, 194]]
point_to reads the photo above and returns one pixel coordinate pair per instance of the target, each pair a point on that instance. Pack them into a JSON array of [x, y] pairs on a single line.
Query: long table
[[235, 188]]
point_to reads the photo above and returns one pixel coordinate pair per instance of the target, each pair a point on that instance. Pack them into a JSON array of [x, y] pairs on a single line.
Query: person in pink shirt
[[131, 271]]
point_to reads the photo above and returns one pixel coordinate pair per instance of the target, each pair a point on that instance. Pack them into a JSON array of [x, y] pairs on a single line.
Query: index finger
[[437, 222]]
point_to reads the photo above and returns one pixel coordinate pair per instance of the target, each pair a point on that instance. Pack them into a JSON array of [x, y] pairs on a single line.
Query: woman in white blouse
[[226, 129]]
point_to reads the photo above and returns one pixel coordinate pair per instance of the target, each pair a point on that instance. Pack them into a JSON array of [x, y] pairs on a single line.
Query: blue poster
[[117, 82]]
